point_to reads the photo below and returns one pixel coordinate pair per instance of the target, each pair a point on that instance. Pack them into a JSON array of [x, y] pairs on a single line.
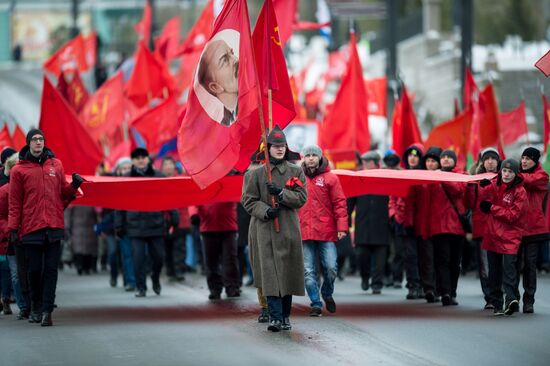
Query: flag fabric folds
[[546, 119], [5, 138], [543, 64], [166, 44], [220, 128], [405, 131], [150, 78], [143, 28], [65, 135], [346, 124], [70, 57], [272, 70], [513, 124], [73, 90], [18, 138]]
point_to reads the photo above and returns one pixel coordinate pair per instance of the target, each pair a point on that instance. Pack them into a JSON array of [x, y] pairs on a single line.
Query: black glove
[[273, 189], [77, 181], [14, 237], [484, 182], [272, 213], [195, 220], [485, 206]]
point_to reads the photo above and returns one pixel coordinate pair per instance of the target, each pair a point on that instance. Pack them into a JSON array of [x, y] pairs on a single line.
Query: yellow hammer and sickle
[[276, 40]]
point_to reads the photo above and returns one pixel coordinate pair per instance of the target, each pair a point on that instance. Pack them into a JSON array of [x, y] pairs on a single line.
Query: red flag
[[405, 130], [546, 117], [5, 139], [70, 57], [167, 43], [90, 47], [470, 88], [18, 138], [543, 64], [159, 124], [73, 91], [346, 125], [103, 114], [200, 33], [65, 135], [143, 28], [454, 135], [287, 14], [489, 129], [220, 129], [150, 78], [513, 124], [271, 65], [377, 91]]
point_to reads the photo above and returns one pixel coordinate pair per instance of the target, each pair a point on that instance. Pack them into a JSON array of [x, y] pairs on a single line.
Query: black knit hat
[[511, 164], [449, 153], [31, 133], [532, 153], [433, 152], [6, 153], [139, 152]]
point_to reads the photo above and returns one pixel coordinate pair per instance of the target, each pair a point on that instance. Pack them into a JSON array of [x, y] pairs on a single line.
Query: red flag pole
[[264, 135]]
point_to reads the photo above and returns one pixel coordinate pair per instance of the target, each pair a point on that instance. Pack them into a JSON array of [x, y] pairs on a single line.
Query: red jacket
[[474, 195], [216, 217], [443, 217], [505, 222], [325, 212], [4, 218], [38, 194], [417, 208], [536, 186]]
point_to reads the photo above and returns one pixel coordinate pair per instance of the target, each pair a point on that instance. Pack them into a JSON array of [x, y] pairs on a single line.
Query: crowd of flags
[[156, 106]]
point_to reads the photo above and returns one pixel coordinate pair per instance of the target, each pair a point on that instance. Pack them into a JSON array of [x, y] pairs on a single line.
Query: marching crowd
[[294, 231]]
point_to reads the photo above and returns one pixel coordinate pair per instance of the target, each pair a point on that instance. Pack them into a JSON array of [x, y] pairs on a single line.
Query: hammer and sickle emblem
[[276, 40]]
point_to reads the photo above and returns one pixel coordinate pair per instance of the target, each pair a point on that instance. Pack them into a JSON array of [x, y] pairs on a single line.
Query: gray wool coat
[[277, 258]]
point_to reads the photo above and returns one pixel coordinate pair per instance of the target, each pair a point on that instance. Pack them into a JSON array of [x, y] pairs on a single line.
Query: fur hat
[[139, 152], [10, 162]]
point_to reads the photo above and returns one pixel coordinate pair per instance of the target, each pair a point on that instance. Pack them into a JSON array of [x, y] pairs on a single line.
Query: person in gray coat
[[276, 257]]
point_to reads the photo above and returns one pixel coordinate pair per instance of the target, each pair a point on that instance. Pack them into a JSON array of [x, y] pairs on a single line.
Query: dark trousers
[[371, 260], [411, 261], [42, 263], [502, 275], [221, 260], [22, 271], [483, 269], [279, 307], [426, 264], [447, 253], [398, 257], [155, 248], [527, 268], [175, 251]]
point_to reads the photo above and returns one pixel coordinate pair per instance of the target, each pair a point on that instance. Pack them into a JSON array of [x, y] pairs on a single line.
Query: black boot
[[264, 316], [274, 326], [46, 320], [35, 317]]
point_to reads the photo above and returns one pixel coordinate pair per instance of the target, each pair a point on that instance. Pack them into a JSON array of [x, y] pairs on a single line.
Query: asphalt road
[[99, 325]]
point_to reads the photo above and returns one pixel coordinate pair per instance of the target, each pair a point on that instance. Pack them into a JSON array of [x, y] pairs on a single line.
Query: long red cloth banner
[[155, 194]]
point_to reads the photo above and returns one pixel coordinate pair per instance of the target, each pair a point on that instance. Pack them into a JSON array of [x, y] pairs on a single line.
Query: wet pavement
[[99, 325]]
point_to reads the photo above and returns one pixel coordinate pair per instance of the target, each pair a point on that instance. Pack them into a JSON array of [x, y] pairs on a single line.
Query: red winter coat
[[417, 208], [474, 195], [38, 194], [325, 212], [536, 186], [216, 217], [443, 217], [4, 218], [505, 222]]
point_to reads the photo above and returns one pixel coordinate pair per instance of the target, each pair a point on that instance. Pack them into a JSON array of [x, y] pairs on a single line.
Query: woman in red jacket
[[503, 234]]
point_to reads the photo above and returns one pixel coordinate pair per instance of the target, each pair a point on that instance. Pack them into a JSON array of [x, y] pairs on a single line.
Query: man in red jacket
[[536, 231], [323, 221], [38, 195]]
